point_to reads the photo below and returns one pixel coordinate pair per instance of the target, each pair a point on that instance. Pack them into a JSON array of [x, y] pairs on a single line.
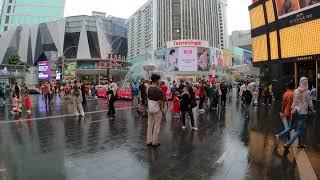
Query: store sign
[[187, 59], [187, 43], [44, 71]]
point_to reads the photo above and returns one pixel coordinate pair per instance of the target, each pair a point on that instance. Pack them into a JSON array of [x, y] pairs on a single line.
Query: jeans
[[299, 119], [213, 102], [183, 117], [135, 100], [287, 130]]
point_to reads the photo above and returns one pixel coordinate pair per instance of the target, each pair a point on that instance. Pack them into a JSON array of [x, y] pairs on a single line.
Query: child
[[16, 105], [176, 105], [27, 103]]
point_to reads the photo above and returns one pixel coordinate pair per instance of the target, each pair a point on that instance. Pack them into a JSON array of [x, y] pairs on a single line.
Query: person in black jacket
[[185, 106], [247, 98], [224, 91]]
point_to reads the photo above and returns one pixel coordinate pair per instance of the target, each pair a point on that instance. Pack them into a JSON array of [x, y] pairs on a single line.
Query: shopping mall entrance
[[310, 70]]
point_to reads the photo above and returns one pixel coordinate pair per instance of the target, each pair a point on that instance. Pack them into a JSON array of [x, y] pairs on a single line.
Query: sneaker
[[195, 129], [184, 127]]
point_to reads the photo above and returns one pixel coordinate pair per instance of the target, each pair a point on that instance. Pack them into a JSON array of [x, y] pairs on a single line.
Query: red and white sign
[[187, 43], [187, 60]]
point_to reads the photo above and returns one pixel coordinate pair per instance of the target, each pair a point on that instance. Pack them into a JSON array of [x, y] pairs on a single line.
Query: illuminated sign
[[44, 71], [187, 43]]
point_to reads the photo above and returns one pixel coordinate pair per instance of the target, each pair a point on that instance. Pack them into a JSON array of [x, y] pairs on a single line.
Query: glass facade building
[[17, 12]]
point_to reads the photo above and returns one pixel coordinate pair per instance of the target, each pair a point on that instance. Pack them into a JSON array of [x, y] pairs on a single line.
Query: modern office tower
[[140, 31], [161, 21], [17, 12]]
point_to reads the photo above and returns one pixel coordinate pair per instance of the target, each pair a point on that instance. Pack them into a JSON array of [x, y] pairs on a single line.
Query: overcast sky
[[237, 10]]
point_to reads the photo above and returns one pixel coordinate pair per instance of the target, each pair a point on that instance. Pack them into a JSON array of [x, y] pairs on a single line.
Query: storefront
[[99, 71]]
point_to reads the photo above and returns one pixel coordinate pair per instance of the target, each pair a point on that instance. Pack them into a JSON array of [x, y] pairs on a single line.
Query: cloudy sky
[[237, 11]]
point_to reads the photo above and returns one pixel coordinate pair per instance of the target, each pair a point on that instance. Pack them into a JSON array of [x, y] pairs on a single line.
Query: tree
[[16, 60]]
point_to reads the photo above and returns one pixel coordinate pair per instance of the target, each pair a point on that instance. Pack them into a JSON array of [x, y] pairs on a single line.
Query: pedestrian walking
[[16, 105], [3, 92], [301, 103], [186, 108], [164, 89], [155, 109], [247, 99], [17, 90], [77, 100], [224, 91], [143, 97], [27, 102], [135, 94], [285, 113], [176, 105], [213, 97], [255, 94], [203, 96], [314, 94], [112, 96]]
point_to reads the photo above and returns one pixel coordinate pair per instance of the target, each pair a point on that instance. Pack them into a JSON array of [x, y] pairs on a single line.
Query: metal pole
[[296, 74], [317, 76]]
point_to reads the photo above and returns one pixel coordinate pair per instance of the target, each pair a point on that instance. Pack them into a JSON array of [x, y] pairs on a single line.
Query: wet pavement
[[227, 146]]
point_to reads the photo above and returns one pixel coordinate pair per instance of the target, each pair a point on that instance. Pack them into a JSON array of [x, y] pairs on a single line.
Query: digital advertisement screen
[[289, 7], [216, 57], [44, 71]]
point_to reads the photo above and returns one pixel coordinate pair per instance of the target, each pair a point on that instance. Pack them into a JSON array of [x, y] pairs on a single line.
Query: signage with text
[[187, 43], [44, 71]]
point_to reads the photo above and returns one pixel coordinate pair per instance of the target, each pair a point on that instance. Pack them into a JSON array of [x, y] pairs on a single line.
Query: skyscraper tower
[[17, 12]]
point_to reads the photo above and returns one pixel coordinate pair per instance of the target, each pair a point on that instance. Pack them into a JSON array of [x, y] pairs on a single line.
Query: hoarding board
[[44, 71]]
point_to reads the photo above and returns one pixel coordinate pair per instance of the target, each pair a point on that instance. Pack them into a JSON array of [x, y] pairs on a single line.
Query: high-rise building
[[17, 12], [140, 31], [161, 21]]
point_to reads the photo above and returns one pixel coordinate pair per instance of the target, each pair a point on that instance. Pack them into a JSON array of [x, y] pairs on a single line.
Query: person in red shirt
[[203, 97], [176, 105], [164, 89], [27, 102], [285, 114]]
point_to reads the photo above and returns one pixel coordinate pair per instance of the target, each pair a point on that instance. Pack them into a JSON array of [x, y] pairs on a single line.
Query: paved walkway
[[227, 146]]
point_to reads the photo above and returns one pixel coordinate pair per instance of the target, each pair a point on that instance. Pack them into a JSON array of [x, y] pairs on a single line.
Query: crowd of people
[[188, 100]]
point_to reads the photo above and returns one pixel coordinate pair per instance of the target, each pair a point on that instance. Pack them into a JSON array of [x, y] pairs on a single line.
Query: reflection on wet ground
[[227, 146]]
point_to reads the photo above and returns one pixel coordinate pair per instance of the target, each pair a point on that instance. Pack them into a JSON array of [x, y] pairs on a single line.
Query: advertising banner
[[187, 59], [44, 71], [173, 55], [203, 59], [289, 7], [216, 57], [247, 56], [70, 70], [187, 43]]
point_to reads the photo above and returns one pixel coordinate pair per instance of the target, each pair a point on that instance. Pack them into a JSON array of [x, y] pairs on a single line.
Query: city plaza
[[180, 40]]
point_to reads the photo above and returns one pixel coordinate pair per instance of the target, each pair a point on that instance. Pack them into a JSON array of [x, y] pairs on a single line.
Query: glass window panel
[[13, 19], [7, 19], [9, 9]]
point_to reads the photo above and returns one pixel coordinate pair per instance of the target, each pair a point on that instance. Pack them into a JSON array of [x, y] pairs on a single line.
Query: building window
[[6, 28], [9, 9], [10, 1], [7, 19]]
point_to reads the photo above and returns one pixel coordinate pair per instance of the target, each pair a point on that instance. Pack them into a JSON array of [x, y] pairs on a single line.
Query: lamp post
[[63, 59]]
